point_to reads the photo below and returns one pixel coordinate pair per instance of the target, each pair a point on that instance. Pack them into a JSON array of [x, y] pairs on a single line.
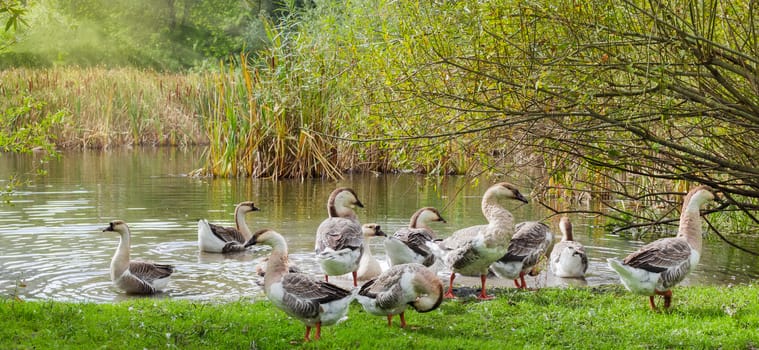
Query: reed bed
[[107, 107]]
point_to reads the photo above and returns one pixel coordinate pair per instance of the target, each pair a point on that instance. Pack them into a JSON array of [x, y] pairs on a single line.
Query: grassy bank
[[701, 317]]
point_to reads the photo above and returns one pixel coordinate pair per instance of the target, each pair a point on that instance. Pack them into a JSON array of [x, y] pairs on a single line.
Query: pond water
[[52, 247]]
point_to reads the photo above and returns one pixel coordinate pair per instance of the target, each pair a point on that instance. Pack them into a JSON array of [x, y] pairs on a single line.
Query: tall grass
[[110, 107], [269, 120]]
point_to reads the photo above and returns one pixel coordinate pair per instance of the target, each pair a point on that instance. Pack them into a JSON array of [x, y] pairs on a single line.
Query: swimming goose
[[530, 242], [314, 302], [568, 258], [409, 244], [471, 250], [397, 288], [658, 266], [135, 277], [368, 266], [339, 238], [217, 239]]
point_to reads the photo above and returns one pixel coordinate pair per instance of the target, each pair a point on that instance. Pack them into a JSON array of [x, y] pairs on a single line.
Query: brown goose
[[218, 239], [135, 277], [399, 287], [471, 250], [409, 244], [529, 243], [315, 303], [339, 238], [568, 258], [658, 266]]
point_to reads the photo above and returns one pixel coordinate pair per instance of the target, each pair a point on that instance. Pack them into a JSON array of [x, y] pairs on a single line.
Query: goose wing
[[528, 243], [227, 234], [416, 240], [660, 255], [304, 295], [337, 234], [386, 289], [149, 272]]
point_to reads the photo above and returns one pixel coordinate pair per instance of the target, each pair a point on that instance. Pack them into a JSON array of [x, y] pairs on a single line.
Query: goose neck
[[690, 227], [120, 260], [242, 226]]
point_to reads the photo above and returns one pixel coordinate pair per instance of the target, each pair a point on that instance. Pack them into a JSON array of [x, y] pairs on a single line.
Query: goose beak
[[380, 233], [520, 197], [359, 204], [108, 228], [250, 242]]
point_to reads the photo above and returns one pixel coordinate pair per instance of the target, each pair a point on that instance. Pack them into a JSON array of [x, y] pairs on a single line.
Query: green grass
[[701, 317]]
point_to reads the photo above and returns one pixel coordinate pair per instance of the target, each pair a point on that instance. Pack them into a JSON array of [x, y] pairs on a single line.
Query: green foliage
[[604, 317], [26, 127]]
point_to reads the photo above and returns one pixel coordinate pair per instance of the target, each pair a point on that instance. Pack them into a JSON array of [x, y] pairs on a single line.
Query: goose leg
[[516, 283], [651, 302], [403, 320], [308, 333], [449, 293], [326, 278], [355, 278], [667, 297], [389, 320], [521, 277], [483, 295], [318, 333]]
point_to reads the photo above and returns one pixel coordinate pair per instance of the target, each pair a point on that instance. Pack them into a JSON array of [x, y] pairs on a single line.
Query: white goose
[[409, 244], [217, 239], [568, 258], [399, 287], [314, 302], [658, 266], [135, 277], [339, 238], [368, 266], [530, 242], [471, 250]]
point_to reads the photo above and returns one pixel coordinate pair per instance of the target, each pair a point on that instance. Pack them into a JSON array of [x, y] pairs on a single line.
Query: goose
[[568, 258], [339, 238], [530, 242], [409, 244], [368, 266], [660, 265], [217, 239], [135, 277], [471, 250], [314, 302], [397, 288]]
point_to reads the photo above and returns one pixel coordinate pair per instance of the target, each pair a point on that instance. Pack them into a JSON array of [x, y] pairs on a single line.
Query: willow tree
[[636, 100]]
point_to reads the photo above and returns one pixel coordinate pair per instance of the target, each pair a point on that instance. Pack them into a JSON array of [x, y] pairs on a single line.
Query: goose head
[[505, 190], [429, 289], [372, 230], [118, 226], [342, 201], [699, 196], [268, 237], [424, 216], [247, 207]]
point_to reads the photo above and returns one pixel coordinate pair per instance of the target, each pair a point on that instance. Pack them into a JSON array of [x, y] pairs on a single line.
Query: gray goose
[[314, 302], [529, 243], [218, 239], [409, 244], [660, 265], [135, 277], [398, 288], [339, 238], [568, 258], [471, 250]]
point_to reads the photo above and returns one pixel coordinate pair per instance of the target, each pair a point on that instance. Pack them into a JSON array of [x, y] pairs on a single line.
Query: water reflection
[[52, 247]]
